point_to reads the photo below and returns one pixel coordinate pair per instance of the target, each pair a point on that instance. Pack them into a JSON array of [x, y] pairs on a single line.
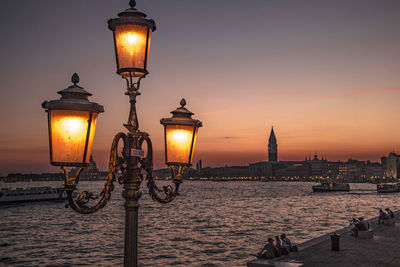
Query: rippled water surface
[[209, 224]]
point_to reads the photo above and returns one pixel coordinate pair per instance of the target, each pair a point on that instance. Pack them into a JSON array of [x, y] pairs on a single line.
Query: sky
[[325, 74]]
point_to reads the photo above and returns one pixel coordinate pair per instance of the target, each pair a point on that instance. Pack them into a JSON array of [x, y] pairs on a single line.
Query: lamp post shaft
[[131, 226], [132, 195]]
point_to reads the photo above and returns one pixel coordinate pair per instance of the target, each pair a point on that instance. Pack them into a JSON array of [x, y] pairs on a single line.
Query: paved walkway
[[382, 250]]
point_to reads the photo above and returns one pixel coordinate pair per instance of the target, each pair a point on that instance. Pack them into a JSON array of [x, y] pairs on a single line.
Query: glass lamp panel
[[179, 143], [130, 44], [91, 137], [68, 135]]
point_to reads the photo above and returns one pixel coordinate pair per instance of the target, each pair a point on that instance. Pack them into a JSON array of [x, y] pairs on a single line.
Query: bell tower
[[272, 147]]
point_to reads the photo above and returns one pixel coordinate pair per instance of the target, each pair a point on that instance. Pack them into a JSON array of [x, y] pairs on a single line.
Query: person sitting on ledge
[[364, 225], [286, 243], [356, 225], [269, 249], [389, 213], [382, 216], [279, 249]]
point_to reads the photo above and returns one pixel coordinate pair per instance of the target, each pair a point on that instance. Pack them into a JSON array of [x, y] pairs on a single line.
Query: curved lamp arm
[[169, 191], [154, 191], [116, 164]]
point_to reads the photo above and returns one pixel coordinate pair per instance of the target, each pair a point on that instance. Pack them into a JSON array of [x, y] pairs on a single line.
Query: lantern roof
[[73, 98], [131, 16], [181, 116]]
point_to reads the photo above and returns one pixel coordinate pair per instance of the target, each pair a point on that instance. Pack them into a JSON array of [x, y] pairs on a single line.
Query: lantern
[[180, 133], [72, 124], [132, 32]]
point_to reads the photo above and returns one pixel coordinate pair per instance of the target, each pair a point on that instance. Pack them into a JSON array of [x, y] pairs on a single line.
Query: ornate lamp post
[[72, 123]]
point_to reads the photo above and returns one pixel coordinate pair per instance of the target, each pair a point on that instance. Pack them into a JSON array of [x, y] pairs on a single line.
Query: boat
[[331, 187], [30, 194], [388, 188]]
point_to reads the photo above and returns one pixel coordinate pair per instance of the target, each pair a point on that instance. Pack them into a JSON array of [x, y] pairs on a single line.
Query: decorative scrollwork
[[71, 182], [116, 164], [147, 165]]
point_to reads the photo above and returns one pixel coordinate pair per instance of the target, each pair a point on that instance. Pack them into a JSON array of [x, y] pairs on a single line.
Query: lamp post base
[[132, 196]]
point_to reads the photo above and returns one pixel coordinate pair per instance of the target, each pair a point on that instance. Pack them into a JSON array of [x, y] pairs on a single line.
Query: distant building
[[228, 171], [383, 163], [199, 165], [319, 167], [393, 165], [261, 169], [352, 170], [292, 169], [373, 170], [272, 147]]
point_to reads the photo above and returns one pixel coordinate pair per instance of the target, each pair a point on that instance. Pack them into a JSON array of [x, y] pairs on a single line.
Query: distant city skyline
[[325, 74]]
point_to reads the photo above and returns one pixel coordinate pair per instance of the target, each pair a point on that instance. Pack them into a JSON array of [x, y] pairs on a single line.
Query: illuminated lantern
[[72, 124], [132, 34], [180, 133]]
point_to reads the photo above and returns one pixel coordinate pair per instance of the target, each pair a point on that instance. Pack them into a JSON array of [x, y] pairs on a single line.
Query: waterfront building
[[393, 165], [261, 169], [272, 147], [292, 170], [199, 165], [319, 167], [227, 171], [373, 170], [383, 163], [352, 170]]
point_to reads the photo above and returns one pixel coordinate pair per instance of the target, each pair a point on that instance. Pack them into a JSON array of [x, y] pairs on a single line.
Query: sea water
[[209, 224]]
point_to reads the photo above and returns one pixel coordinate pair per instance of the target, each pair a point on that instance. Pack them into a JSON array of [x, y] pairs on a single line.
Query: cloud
[[230, 137]]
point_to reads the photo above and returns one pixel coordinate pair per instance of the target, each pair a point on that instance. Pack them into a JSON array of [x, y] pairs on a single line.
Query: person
[[364, 225], [389, 213], [286, 243], [269, 249], [354, 230], [278, 247], [382, 216], [291, 247]]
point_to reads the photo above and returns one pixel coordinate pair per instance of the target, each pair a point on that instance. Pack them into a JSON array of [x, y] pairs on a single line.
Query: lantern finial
[[75, 78], [132, 4], [183, 102]]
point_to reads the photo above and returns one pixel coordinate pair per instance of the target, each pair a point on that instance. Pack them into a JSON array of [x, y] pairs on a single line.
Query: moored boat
[[331, 187], [31, 194], [388, 188]]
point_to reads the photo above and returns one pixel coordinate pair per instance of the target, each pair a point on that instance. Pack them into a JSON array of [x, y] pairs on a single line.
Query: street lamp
[[180, 133], [72, 123], [132, 33]]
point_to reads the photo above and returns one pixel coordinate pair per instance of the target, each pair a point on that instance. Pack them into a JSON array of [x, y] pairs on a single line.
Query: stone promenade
[[382, 250]]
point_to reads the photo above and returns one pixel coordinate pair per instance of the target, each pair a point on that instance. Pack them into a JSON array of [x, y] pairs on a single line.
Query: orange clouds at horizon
[[242, 137]]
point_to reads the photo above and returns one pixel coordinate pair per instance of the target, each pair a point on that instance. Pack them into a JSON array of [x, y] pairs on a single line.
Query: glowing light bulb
[[73, 126], [131, 42], [181, 137], [130, 38]]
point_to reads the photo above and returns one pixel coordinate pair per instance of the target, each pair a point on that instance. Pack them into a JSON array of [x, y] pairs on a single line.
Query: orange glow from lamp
[[72, 124], [132, 35], [180, 136]]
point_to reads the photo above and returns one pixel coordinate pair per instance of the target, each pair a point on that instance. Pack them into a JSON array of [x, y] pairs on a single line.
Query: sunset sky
[[325, 74]]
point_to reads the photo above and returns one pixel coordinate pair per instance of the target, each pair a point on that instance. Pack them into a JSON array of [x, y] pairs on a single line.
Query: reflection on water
[[209, 224]]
